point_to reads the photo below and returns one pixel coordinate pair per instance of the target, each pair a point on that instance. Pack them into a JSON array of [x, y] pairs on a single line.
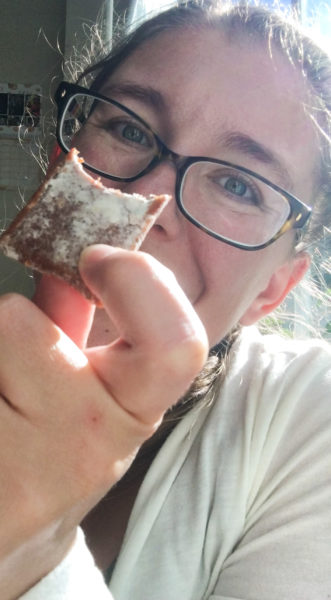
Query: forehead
[[209, 85]]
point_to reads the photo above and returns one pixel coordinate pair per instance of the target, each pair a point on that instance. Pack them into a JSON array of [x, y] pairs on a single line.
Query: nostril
[[154, 239], [158, 229]]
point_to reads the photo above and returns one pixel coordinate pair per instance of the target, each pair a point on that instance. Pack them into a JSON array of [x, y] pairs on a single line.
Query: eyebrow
[[233, 140], [148, 95], [246, 145]]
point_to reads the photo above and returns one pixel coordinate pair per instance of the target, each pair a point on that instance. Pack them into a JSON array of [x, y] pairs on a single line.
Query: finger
[[29, 340], [162, 344], [65, 440], [47, 379], [124, 280], [66, 307]]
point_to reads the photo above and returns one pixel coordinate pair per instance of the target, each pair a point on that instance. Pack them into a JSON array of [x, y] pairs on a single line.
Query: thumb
[[66, 307], [162, 344]]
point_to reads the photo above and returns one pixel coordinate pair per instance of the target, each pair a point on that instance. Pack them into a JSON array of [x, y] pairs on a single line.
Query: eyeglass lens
[[108, 138], [226, 201], [232, 204]]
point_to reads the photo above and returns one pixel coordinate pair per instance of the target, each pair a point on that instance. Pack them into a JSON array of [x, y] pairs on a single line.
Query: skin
[[255, 281], [83, 406]]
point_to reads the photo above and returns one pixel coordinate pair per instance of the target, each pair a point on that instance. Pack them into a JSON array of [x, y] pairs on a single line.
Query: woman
[[234, 486]]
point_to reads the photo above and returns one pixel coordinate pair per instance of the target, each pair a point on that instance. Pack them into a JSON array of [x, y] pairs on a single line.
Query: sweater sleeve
[[75, 578], [284, 552]]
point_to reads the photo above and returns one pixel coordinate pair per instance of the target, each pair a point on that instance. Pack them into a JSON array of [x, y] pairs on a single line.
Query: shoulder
[[274, 345], [276, 395], [280, 362]]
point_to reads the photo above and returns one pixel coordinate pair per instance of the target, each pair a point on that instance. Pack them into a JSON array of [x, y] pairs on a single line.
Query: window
[[141, 9], [317, 13]]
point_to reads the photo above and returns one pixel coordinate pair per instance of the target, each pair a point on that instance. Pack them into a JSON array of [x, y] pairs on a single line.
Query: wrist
[[33, 560]]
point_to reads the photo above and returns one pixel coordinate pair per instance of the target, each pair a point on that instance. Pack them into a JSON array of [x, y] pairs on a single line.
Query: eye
[[109, 120], [235, 186], [238, 187], [129, 133], [132, 133]]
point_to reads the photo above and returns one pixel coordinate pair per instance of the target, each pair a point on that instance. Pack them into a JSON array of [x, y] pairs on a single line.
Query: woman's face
[[206, 96]]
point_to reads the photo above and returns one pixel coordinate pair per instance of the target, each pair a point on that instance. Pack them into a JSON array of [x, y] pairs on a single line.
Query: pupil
[[132, 133], [235, 186]]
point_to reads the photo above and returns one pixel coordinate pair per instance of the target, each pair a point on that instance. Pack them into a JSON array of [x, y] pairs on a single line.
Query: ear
[[286, 277]]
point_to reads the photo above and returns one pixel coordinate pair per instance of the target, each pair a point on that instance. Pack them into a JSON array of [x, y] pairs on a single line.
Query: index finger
[[66, 307]]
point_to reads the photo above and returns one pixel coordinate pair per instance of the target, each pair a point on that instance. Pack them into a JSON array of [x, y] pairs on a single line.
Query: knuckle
[[172, 366], [185, 359]]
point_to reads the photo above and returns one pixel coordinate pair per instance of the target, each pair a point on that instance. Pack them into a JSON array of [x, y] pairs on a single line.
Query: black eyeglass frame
[[299, 211]]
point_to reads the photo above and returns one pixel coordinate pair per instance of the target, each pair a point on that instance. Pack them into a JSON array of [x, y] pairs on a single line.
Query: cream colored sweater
[[237, 504]]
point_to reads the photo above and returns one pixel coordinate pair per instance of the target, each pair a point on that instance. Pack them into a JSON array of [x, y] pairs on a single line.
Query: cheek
[[233, 279], [228, 270]]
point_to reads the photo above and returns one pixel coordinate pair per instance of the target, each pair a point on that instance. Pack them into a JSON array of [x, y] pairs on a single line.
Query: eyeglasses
[[231, 203]]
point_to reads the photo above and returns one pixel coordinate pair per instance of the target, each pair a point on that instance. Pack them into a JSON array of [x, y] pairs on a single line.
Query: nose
[[161, 180]]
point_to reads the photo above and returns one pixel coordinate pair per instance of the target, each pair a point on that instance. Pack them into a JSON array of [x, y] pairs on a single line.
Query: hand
[[71, 421]]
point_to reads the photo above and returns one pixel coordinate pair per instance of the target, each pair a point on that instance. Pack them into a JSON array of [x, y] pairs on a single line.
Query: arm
[[72, 421]]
